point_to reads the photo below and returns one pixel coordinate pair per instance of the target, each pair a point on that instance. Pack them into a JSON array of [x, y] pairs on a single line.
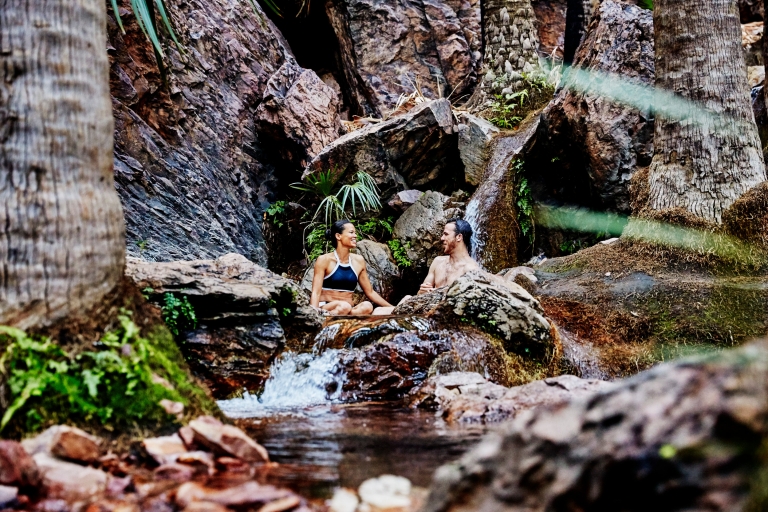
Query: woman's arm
[[365, 284], [317, 282]]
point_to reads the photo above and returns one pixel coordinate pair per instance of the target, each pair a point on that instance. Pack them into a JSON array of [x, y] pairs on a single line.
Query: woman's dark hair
[[336, 228], [465, 230]]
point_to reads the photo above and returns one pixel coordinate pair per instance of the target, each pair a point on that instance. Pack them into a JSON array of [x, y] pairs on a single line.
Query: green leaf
[[117, 16], [91, 381]]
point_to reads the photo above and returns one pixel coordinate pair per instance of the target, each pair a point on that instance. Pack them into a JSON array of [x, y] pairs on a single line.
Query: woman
[[337, 274]]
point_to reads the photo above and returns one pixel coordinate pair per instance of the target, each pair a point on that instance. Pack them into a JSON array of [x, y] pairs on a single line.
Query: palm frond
[[365, 192], [167, 23], [146, 22], [320, 183]]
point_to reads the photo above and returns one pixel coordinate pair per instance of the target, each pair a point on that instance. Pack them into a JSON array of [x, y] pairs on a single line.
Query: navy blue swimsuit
[[343, 278]]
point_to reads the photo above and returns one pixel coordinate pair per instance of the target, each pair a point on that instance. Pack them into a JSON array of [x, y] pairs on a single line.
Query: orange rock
[[165, 449], [249, 493], [16, 466], [227, 440], [65, 442]]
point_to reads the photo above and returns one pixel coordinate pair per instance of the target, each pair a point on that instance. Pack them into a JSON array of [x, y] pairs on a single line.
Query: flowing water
[[320, 444]]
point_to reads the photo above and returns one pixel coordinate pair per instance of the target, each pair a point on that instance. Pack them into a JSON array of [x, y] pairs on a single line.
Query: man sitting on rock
[[457, 245]]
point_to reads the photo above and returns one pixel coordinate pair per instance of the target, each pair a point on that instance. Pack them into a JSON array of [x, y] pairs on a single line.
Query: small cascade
[[583, 355], [296, 381]]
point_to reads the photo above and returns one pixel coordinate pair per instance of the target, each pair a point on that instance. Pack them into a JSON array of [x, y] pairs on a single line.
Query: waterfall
[[296, 381], [472, 216]]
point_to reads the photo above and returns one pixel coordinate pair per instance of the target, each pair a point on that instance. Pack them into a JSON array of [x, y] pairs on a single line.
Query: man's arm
[[429, 283]]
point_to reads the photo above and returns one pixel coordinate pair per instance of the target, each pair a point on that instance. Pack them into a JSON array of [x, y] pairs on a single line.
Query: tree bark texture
[[62, 240], [511, 40], [578, 14], [698, 164]]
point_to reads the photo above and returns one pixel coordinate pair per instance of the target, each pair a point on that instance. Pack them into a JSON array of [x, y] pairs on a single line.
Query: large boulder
[[299, 114], [475, 136], [682, 436], [245, 315], [415, 150], [191, 168], [390, 49], [498, 307], [466, 397], [492, 210], [550, 15], [590, 135], [419, 229]]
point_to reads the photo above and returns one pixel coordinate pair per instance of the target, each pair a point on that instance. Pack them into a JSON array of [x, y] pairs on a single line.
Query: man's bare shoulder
[[441, 260]]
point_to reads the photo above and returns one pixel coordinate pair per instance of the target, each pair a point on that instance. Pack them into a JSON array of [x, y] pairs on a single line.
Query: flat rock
[[17, 468], [475, 136], [248, 493], [245, 315], [227, 439], [165, 449], [695, 425], [69, 481], [469, 398], [404, 199], [417, 149]]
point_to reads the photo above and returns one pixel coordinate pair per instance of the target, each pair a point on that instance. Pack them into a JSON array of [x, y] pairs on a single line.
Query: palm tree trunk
[[696, 165], [62, 245], [510, 47]]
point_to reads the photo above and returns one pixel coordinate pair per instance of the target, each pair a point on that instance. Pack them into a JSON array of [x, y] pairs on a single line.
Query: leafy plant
[[399, 253], [524, 201], [144, 13], [276, 212], [115, 384], [507, 110], [646, 4], [178, 313], [376, 228]]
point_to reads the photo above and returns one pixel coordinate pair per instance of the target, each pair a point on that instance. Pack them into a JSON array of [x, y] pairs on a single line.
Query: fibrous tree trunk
[[578, 14], [510, 47], [703, 163], [62, 246]]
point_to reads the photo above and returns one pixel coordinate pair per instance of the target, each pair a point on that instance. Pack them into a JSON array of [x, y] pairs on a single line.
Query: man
[[457, 245]]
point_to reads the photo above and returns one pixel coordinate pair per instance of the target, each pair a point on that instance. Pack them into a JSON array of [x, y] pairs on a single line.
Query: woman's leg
[[338, 307], [364, 308]]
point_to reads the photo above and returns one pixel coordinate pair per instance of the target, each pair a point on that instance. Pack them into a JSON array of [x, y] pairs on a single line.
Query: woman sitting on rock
[[337, 274]]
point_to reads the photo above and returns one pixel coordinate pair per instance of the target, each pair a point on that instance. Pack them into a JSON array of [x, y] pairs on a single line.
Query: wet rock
[[587, 133], [7, 495], [175, 472], [16, 466], [550, 17], [64, 442], [404, 199], [68, 481], [165, 449], [244, 312], [419, 229], [382, 269], [190, 168], [470, 398], [493, 304], [415, 150], [389, 50], [248, 493], [227, 439], [299, 113], [205, 506], [683, 436], [475, 136], [492, 211]]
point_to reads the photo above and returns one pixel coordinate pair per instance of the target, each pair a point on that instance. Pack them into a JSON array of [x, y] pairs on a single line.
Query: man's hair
[[464, 229]]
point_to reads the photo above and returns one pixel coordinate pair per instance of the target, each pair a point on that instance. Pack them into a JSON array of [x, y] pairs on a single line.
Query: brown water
[[324, 447]]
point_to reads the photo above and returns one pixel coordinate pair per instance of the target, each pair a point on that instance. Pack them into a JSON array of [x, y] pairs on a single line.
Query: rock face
[[499, 307], [492, 211], [382, 270], [550, 18], [475, 136], [389, 49], [191, 167], [469, 398], [589, 134], [243, 313], [419, 229], [682, 436], [414, 150], [298, 113]]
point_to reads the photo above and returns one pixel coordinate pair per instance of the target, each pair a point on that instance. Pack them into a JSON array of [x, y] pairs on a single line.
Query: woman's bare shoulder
[[358, 259]]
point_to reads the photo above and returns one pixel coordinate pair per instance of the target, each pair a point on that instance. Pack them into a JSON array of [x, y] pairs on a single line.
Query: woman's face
[[348, 237]]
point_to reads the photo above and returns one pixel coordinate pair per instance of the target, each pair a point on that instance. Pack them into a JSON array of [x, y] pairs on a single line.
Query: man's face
[[450, 239]]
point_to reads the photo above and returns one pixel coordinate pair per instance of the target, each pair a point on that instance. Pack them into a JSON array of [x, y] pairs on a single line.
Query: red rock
[[52, 505], [112, 506], [172, 408], [65, 442], [69, 481], [175, 472], [229, 440], [188, 436], [287, 503], [232, 464], [205, 506], [16, 466], [249, 493], [164, 449]]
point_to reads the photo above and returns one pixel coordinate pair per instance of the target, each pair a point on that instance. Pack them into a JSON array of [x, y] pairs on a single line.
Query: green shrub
[[115, 386], [276, 213], [524, 201], [399, 253], [507, 110], [178, 313]]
